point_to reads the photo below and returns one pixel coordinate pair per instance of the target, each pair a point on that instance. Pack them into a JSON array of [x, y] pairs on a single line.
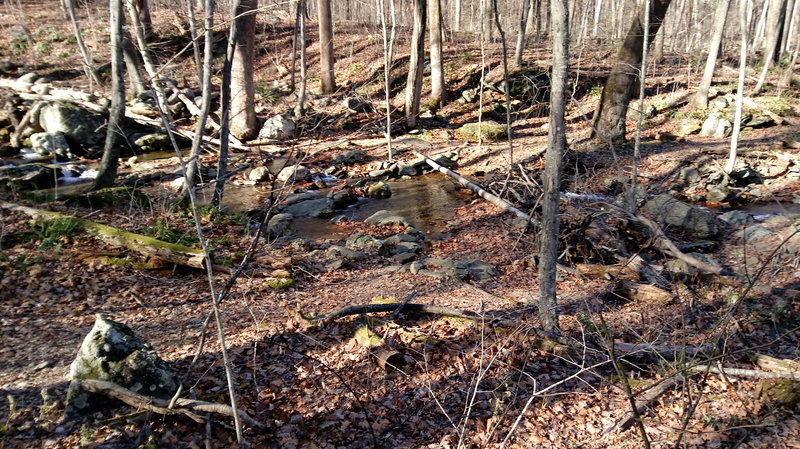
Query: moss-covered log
[[148, 246]]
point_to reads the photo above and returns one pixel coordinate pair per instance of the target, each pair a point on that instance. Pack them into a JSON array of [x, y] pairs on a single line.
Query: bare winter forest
[[399, 224]]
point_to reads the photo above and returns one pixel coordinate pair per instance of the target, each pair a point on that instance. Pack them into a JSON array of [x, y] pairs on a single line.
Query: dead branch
[[430, 310], [785, 366], [187, 407], [668, 352], [490, 197], [654, 392]]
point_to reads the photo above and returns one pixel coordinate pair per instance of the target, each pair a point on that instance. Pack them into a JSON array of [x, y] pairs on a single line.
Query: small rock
[[153, 142], [379, 190], [717, 193], [688, 128], [280, 225], [734, 218], [693, 220], [319, 208], [279, 127], [259, 174], [403, 258], [398, 238], [387, 218], [342, 198], [294, 173], [690, 174], [754, 232], [406, 247], [345, 253], [711, 124], [366, 243]]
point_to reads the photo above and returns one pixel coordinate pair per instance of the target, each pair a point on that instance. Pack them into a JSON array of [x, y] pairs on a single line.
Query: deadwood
[[653, 393], [188, 407], [142, 244], [480, 191], [739, 372]]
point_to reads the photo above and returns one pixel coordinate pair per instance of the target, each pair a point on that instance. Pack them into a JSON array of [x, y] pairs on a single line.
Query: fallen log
[[480, 191], [784, 366], [739, 372], [607, 271], [653, 393], [142, 244], [188, 407], [431, 310], [668, 352]]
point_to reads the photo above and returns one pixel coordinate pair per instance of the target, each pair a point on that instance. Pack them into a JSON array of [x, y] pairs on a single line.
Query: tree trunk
[[523, 25], [556, 144], [720, 15], [415, 63], [88, 63], [388, 55], [609, 118], [326, 57], [598, 6], [777, 8], [143, 7], [107, 172], [133, 65], [243, 123], [438, 92], [737, 120], [487, 24], [198, 60], [299, 108], [192, 167]]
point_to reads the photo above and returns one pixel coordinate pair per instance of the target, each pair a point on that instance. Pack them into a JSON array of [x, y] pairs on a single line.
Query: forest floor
[[460, 383]]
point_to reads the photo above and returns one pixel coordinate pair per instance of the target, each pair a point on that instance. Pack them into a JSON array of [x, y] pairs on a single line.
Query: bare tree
[[523, 25], [299, 108], [243, 123], [556, 144], [777, 8], [88, 63], [107, 172], [133, 64], [737, 120], [192, 167], [415, 62], [720, 15], [438, 92], [609, 117], [388, 54], [326, 57]]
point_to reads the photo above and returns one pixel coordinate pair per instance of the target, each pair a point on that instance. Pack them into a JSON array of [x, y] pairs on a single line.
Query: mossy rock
[[782, 392], [488, 130], [281, 283]]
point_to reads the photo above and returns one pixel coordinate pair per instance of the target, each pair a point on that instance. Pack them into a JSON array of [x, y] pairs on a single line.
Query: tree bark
[[299, 108], [622, 83], [523, 25], [88, 63], [777, 9], [326, 56], [107, 171], [133, 64], [720, 16], [415, 63], [193, 165], [737, 120], [556, 144], [438, 92], [243, 123]]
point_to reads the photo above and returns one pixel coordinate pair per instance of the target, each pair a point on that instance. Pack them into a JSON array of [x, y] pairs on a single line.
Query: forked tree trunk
[[438, 92], [326, 57], [243, 123], [622, 83], [107, 172], [720, 15], [556, 143], [415, 62]]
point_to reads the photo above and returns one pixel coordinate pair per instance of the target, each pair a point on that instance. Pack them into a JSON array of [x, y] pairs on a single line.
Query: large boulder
[[691, 220], [387, 218], [82, 128], [113, 352]]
